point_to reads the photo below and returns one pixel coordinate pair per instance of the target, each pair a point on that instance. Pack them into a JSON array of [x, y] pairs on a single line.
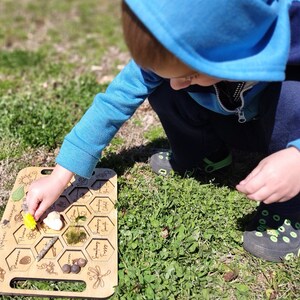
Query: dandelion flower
[[29, 221]]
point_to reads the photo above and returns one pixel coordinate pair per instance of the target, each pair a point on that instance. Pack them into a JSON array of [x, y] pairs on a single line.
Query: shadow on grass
[[126, 158], [243, 163], [243, 222]]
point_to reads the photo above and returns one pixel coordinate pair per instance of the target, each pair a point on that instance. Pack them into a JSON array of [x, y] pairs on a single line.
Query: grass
[[179, 238]]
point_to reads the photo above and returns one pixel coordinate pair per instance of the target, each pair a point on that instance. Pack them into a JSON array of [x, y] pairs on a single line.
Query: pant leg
[[280, 114], [246, 136], [187, 126]]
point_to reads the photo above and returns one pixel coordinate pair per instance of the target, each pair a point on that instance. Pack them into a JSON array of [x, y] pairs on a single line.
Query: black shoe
[[161, 163], [273, 236]]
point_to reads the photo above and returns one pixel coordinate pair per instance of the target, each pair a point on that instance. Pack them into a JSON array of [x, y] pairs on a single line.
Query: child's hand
[[45, 191], [275, 179]]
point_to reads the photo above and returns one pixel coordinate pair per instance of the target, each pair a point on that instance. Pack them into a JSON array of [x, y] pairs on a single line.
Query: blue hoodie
[[235, 39], [238, 40]]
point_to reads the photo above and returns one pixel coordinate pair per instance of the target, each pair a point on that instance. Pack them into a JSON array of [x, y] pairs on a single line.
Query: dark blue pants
[[195, 132]]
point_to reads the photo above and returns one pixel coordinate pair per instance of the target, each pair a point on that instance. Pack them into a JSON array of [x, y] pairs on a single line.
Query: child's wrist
[[62, 175]]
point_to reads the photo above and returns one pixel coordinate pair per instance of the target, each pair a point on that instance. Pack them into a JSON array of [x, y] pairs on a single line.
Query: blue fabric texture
[[237, 39]]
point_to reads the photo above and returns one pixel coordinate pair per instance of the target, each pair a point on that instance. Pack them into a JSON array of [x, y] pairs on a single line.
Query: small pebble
[[81, 262], [66, 268], [75, 269]]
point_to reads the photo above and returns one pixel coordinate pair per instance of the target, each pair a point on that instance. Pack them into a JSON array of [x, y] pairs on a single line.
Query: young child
[[219, 74]]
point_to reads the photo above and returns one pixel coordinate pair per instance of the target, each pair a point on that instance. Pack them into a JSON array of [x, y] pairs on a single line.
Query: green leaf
[[179, 271], [170, 269], [193, 247], [242, 288], [205, 294], [155, 223], [80, 218], [149, 293], [149, 278], [18, 194], [181, 234], [134, 245]]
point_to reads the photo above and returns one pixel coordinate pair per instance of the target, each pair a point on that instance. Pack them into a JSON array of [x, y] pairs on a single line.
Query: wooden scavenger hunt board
[[87, 204]]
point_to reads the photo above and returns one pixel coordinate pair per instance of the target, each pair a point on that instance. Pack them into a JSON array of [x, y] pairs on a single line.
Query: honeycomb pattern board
[[86, 205]]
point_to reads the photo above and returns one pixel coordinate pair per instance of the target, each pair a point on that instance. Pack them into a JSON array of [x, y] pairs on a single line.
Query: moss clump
[[75, 235]]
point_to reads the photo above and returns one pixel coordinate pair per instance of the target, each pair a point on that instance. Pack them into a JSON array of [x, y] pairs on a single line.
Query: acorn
[[81, 262], [75, 269], [66, 268]]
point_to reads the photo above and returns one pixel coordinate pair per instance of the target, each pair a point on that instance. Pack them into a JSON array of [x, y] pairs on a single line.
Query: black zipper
[[232, 100]]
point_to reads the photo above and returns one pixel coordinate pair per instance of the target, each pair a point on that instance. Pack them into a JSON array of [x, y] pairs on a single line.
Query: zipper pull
[[241, 115]]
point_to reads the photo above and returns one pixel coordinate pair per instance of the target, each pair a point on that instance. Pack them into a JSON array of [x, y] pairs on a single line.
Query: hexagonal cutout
[[78, 214], [104, 173], [100, 249], [80, 193], [102, 186], [75, 236], [53, 252], [70, 257], [60, 204], [20, 259], [80, 181], [24, 236], [68, 189], [101, 225], [102, 205]]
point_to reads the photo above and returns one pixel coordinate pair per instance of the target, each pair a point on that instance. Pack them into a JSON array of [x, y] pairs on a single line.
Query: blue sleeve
[[82, 147], [295, 143]]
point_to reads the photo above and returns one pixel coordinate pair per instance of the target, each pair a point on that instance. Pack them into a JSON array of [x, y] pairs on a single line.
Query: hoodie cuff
[[295, 143], [76, 160]]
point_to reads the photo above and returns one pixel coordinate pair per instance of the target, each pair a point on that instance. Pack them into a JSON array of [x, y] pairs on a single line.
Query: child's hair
[[145, 49]]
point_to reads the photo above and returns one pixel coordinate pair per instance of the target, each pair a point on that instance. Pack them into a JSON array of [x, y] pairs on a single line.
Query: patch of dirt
[[104, 71], [132, 132]]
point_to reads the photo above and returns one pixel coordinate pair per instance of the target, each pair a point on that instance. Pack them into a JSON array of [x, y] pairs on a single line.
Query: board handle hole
[[46, 171], [48, 285]]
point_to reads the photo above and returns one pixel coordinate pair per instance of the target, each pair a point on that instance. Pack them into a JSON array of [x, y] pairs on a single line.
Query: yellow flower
[[29, 221]]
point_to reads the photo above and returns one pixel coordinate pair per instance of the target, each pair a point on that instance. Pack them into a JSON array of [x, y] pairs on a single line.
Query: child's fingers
[[40, 210], [263, 194], [253, 184], [275, 197], [254, 172], [32, 202]]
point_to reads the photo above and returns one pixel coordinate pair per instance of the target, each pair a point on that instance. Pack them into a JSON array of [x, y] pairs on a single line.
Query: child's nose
[[179, 83]]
